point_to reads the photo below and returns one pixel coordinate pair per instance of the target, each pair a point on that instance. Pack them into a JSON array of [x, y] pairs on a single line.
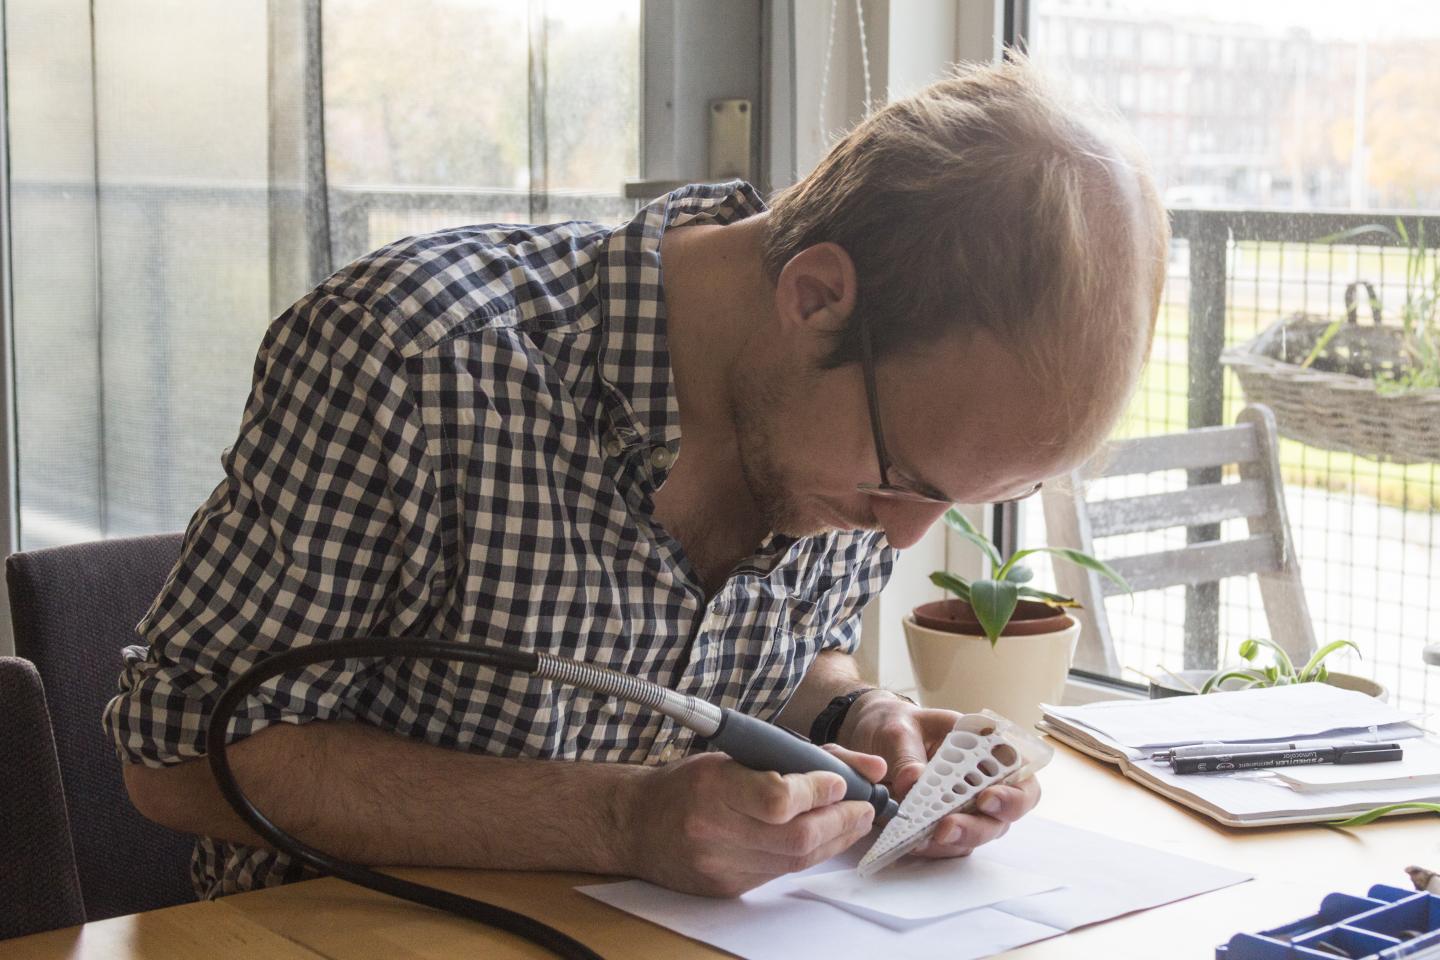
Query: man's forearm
[[831, 674], [373, 797]]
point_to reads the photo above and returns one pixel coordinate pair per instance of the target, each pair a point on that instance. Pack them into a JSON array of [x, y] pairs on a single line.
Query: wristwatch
[[826, 728]]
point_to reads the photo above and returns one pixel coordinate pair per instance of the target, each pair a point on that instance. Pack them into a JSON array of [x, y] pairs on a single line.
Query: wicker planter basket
[[1334, 404]]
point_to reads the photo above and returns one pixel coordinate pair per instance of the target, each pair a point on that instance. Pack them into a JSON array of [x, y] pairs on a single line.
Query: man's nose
[[905, 522]]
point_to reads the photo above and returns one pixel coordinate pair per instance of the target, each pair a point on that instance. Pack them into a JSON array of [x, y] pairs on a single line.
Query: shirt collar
[[635, 361]]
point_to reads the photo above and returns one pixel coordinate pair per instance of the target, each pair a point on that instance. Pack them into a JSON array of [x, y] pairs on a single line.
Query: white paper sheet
[[914, 892], [1259, 794], [1101, 877], [1418, 768], [1272, 713]]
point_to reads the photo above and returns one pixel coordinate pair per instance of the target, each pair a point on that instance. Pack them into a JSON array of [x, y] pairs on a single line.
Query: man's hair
[[984, 201]]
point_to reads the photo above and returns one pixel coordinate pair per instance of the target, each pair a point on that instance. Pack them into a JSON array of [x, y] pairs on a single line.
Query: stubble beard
[[754, 400]]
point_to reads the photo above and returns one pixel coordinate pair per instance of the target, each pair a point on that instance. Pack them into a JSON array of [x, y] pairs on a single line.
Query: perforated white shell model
[[981, 749]]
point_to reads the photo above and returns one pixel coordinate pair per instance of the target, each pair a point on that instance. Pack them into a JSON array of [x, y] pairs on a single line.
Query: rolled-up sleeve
[[844, 636], [319, 530]]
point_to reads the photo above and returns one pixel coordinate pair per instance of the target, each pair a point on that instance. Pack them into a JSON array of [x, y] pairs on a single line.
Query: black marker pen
[[1224, 762]]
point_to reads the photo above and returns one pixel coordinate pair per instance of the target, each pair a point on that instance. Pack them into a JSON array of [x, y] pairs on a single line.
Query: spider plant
[[1419, 315], [994, 599], [1279, 673]]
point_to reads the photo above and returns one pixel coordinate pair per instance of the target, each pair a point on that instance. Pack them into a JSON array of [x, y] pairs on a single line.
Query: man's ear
[[816, 289]]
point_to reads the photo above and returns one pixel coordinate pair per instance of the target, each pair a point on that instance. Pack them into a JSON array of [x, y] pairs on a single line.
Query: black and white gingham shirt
[[459, 436]]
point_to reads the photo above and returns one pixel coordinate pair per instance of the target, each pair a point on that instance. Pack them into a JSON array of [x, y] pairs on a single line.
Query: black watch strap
[[826, 727]]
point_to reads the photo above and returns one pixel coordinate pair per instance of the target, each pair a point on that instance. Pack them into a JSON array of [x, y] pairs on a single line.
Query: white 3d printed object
[[980, 750]]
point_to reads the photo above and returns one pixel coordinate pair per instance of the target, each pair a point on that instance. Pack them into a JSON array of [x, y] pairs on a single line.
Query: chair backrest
[[39, 888], [1268, 551], [73, 609]]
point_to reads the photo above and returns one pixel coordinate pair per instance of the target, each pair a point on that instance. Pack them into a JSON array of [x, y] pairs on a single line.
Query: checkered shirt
[[459, 436]]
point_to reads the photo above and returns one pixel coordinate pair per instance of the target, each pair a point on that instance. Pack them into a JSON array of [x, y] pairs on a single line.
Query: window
[[1304, 108], [518, 115], [177, 178]]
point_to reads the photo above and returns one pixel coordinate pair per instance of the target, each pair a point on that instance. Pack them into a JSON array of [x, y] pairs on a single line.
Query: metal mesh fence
[[1367, 532]]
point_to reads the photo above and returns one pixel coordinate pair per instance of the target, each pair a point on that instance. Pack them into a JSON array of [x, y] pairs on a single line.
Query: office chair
[[39, 888], [73, 609]]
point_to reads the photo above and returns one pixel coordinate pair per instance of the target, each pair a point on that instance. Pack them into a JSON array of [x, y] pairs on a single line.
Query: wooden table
[[1294, 867]]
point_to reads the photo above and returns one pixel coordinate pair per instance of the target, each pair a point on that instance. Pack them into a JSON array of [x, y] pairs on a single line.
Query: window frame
[[9, 465]]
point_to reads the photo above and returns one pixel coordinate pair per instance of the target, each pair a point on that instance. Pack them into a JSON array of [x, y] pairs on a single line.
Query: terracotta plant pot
[[956, 668]]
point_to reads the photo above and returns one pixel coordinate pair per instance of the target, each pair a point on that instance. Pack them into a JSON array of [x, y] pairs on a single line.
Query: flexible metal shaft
[[688, 711]]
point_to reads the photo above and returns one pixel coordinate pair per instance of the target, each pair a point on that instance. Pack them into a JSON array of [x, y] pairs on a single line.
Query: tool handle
[[764, 746]]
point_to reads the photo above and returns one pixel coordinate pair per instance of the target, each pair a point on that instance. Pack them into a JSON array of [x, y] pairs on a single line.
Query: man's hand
[[707, 825], [905, 736]]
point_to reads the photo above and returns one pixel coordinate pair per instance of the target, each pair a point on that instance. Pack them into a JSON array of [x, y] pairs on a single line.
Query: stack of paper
[[1126, 732], [1040, 880]]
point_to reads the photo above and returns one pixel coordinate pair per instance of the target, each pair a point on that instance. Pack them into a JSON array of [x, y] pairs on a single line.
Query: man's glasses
[[902, 487]]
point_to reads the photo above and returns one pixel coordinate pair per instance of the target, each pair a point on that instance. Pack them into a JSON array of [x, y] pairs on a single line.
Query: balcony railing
[[1368, 533]]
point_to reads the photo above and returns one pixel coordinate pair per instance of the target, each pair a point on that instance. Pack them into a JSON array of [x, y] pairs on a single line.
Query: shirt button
[[671, 753], [613, 446], [661, 458]]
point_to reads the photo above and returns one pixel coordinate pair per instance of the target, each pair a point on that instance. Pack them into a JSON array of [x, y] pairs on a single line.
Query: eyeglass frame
[[910, 490]]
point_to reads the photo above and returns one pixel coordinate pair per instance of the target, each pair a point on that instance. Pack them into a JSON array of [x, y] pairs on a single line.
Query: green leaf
[[1282, 659], [1360, 231], [994, 602], [1322, 342], [1054, 599], [957, 521], [1220, 676], [1369, 816], [948, 581], [1314, 662], [1019, 574], [1080, 560]]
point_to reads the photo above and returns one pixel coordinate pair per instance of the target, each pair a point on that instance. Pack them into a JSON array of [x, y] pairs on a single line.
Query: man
[[531, 436]]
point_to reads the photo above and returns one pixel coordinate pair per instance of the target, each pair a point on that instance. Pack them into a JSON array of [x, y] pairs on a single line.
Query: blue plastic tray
[[1388, 924]]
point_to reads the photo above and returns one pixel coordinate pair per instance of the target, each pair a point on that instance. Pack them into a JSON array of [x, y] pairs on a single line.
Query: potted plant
[[1369, 390], [955, 648], [1280, 672]]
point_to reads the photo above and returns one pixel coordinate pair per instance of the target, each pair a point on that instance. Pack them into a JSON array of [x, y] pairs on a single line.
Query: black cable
[[513, 660]]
